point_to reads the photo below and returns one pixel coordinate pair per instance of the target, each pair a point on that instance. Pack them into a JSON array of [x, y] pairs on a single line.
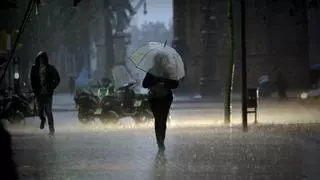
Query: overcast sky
[[158, 10]]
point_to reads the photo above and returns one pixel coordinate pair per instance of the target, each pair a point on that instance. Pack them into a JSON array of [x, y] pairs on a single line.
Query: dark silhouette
[[8, 168], [314, 77], [281, 86], [44, 79], [160, 100]]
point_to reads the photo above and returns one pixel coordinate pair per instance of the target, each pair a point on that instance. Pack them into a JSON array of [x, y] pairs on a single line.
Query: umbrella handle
[[165, 43]]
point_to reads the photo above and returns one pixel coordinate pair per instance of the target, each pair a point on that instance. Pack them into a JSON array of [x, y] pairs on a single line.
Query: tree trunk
[[110, 58]]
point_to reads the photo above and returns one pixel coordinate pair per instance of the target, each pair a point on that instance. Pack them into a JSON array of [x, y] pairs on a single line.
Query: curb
[[172, 108]]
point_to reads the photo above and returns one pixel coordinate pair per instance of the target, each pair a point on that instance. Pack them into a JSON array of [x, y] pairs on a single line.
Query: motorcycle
[[18, 107], [87, 104], [126, 103]]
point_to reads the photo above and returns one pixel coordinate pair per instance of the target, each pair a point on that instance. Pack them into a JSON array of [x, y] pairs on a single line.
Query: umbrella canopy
[[160, 60]]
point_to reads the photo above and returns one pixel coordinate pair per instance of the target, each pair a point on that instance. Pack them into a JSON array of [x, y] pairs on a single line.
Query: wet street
[[198, 146]]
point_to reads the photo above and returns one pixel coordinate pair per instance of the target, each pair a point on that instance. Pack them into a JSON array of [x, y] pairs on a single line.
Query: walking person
[[44, 80], [281, 86], [160, 99]]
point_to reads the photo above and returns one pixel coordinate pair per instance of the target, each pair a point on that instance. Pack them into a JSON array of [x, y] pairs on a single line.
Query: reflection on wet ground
[[285, 144], [265, 152]]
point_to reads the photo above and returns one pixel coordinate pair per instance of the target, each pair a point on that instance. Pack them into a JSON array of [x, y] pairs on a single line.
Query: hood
[[43, 55]]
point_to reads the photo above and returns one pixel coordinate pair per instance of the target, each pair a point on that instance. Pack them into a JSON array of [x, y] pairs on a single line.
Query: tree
[[150, 31]]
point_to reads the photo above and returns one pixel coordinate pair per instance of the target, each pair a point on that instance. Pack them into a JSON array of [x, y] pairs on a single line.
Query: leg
[[155, 111], [48, 110], [160, 109], [164, 109], [41, 112]]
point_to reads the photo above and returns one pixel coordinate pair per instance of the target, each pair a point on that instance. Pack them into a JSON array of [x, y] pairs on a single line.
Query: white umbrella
[[160, 60]]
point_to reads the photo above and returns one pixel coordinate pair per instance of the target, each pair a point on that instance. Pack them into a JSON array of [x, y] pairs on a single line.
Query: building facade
[[277, 41]]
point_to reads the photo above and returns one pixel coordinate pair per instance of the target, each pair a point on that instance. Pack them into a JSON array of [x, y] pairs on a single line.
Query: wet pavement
[[265, 152], [285, 144]]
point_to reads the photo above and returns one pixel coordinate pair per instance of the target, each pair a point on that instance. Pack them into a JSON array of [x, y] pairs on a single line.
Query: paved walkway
[[266, 152]]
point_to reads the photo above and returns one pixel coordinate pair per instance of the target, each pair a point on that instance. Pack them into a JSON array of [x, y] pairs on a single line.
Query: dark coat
[[52, 76], [151, 80]]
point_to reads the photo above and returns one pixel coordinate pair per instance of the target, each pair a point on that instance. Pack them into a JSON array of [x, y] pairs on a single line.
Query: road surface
[[266, 152], [285, 144]]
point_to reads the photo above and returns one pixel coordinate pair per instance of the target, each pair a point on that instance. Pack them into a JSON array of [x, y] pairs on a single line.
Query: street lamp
[[16, 75]]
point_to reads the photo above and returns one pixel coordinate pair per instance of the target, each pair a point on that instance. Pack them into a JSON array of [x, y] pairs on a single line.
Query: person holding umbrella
[[164, 69], [160, 99]]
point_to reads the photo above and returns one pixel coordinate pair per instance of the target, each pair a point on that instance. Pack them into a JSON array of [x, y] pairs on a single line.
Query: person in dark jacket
[[44, 79], [160, 100], [8, 168], [281, 86]]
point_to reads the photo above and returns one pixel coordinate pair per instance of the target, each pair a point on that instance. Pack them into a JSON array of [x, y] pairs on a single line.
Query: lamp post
[[244, 67], [231, 66]]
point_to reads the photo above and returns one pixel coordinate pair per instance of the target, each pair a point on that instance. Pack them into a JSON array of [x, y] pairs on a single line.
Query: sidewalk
[[65, 102]]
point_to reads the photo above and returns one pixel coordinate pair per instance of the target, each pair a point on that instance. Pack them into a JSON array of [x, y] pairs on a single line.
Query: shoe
[[161, 146], [42, 124], [51, 133]]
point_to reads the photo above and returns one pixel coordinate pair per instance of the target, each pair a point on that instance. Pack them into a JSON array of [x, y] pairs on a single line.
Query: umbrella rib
[[175, 66], [144, 57]]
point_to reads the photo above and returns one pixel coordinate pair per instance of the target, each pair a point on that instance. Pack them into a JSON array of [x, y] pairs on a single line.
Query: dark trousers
[[45, 110], [160, 108]]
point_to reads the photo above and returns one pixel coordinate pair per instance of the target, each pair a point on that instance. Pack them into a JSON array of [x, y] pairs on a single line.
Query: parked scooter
[[90, 102], [126, 103], [87, 104], [18, 107]]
